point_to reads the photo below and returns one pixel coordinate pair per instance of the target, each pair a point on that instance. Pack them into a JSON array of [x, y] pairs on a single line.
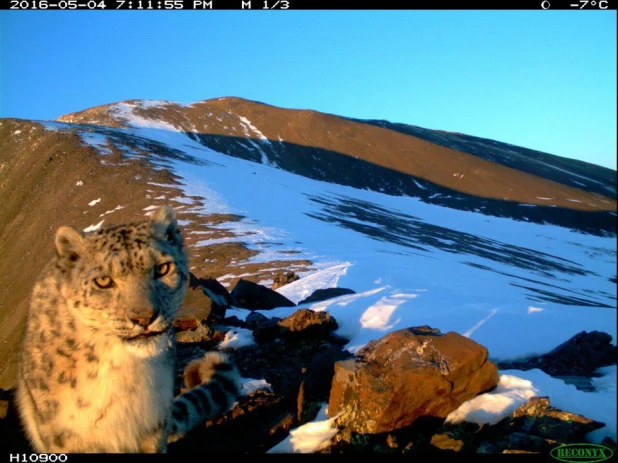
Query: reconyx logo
[[581, 453]]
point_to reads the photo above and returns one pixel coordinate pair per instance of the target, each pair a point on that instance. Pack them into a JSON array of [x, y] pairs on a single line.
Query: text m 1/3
[[267, 5]]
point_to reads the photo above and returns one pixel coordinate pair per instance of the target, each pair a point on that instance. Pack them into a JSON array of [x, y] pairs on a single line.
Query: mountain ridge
[[388, 147], [394, 159]]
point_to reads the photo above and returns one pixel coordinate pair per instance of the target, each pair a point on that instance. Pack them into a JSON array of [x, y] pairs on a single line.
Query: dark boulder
[[266, 330], [193, 313], [305, 324], [252, 296], [234, 321], [515, 442], [324, 294], [219, 295], [317, 378], [255, 425], [254, 319], [203, 333], [535, 426], [205, 302], [302, 324], [581, 355], [538, 417]]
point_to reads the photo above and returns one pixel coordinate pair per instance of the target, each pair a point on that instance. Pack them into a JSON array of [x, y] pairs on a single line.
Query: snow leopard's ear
[[164, 221], [69, 243]]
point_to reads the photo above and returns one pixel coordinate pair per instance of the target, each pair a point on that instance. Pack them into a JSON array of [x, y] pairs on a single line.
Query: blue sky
[[541, 79]]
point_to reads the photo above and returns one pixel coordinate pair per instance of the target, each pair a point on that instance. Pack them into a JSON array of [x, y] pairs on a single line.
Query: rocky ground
[[391, 397]]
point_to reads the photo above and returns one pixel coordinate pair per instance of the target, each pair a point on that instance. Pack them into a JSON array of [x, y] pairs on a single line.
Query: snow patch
[[378, 316], [468, 333], [250, 385], [117, 208], [311, 437], [96, 140], [254, 129], [92, 228], [419, 185], [237, 338], [322, 279], [491, 407]]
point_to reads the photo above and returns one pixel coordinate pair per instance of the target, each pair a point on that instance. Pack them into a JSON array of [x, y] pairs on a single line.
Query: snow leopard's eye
[[104, 282], [162, 269]]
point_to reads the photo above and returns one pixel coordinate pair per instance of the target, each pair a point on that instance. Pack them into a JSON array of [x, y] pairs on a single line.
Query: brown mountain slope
[[400, 152], [570, 172]]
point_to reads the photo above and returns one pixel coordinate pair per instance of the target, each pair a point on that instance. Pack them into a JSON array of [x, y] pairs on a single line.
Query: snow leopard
[[97, 365]]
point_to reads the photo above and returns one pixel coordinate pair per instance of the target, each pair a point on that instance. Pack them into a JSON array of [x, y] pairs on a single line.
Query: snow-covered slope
[[517, 287], [440, 168]]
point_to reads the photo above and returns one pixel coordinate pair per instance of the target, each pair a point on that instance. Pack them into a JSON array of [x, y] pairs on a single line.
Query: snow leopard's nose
[[145, 318]]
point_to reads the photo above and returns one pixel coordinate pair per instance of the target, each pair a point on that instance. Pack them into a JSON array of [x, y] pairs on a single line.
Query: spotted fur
[[97, 365]]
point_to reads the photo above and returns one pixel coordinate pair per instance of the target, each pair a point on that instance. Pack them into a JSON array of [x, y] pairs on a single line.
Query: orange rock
[[407, 374]]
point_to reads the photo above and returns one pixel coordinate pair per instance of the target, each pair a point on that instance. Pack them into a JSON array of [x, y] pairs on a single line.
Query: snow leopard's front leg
[[214, 385]]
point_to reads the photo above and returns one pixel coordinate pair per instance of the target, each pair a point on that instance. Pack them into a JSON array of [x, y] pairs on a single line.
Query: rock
[[201, 334], [306, 323], [254, 319], [255, 425], [205, 302], [234, 321], [446, 441], [266, 330], [249, 295], [408, 374], [302, 324], [583, 383], [409, 439], [12, 436], [535, 426], [581, 355], [282, 427], [538, 417], [459, 437], [4, 404], [283, 279], [516, 442], [316, 382], [391, 442], [281, 363], [324, 294], [609, 443], [217, 293], [189, 317]]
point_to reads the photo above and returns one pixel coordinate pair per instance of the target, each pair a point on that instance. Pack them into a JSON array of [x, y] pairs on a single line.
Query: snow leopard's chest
[[129, 398]]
